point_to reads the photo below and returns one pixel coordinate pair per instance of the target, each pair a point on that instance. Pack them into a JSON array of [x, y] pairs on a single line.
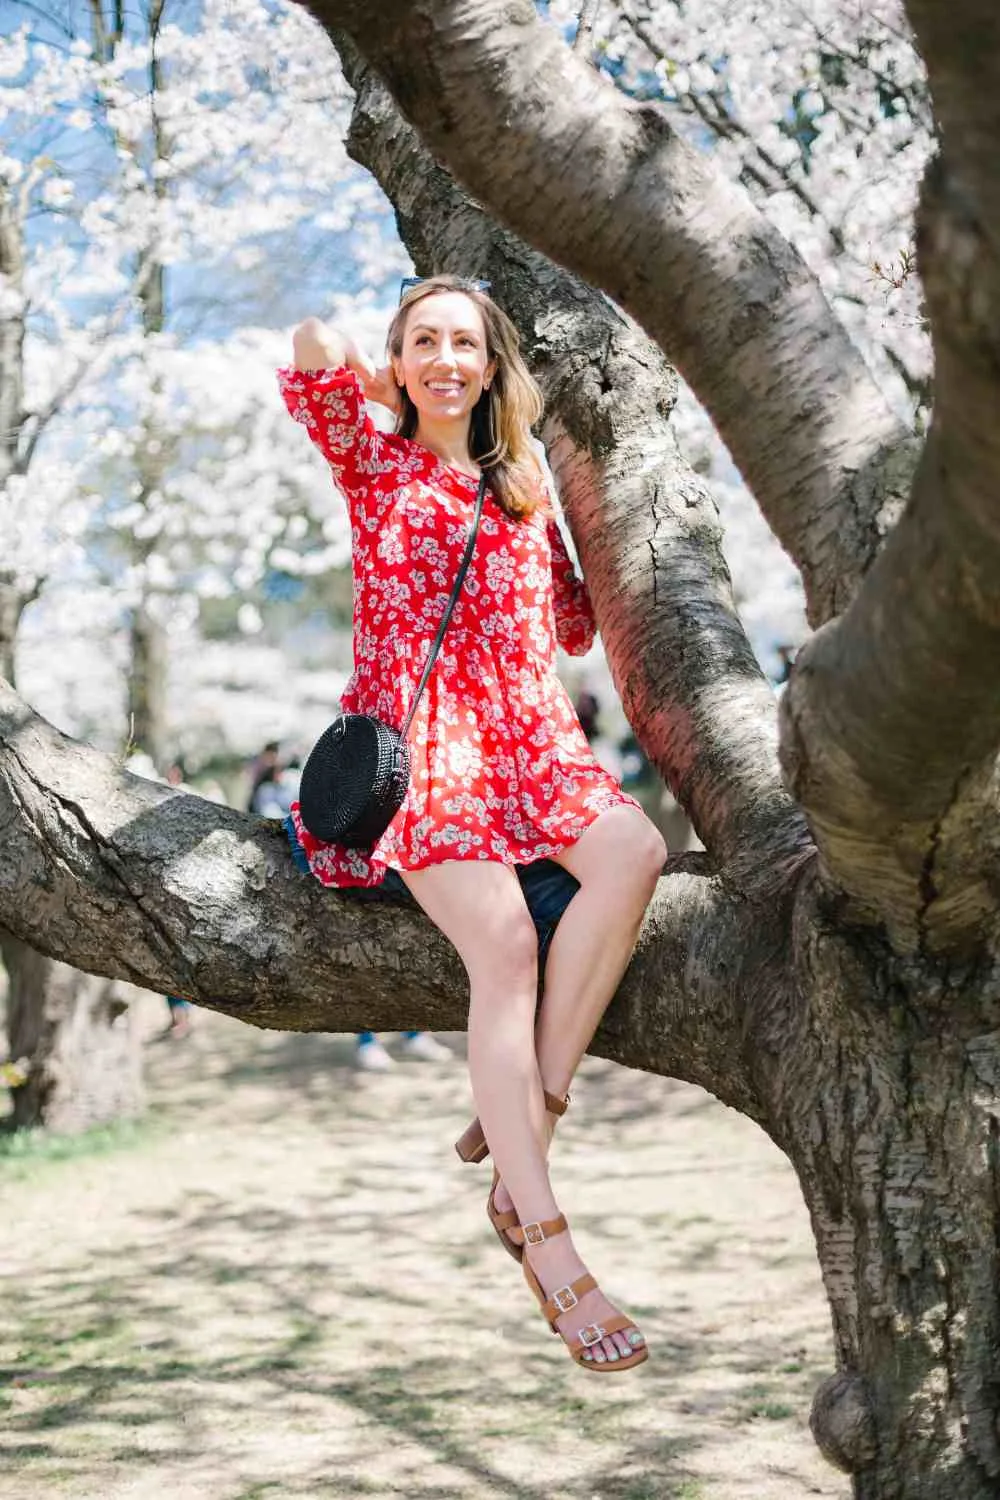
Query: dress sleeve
[[575, 624], [330, 405]]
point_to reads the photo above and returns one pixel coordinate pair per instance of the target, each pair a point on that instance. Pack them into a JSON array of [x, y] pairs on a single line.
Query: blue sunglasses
[[408, 282]]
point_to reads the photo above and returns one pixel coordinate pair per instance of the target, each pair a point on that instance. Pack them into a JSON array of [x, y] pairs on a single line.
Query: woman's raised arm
[[319, 347]]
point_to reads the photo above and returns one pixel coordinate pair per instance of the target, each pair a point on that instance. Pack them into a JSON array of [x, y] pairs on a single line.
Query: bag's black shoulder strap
[[463, 568]]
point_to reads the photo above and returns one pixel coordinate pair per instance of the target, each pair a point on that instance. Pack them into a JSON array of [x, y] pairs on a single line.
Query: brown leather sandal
[[471, 1144], [565, 1298]]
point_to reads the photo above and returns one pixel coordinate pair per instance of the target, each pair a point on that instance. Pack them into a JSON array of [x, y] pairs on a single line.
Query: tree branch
[[644, 523], [133, 880], [892, 708], [610, 191]]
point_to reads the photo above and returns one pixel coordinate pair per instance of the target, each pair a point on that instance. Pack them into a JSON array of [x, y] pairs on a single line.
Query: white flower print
[[464, 758], [500, 572], [390, 547]]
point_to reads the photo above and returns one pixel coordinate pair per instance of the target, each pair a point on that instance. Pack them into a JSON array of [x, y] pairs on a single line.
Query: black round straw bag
[[354, 782], [355, 779]]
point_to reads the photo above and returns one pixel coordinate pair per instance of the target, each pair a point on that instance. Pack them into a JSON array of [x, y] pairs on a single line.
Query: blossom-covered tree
[[146, 185]]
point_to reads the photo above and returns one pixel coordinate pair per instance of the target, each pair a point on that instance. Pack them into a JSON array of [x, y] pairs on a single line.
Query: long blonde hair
[[501, 421]]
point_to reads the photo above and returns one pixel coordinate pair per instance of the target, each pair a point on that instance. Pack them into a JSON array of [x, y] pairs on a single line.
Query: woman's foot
[[556, 1266]]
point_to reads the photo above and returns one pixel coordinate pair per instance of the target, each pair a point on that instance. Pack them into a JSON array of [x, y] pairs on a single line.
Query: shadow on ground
[[291, 1290]]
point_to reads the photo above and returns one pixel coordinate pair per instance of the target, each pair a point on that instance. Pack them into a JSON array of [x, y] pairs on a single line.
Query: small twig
[[894, 276], [586, 24]]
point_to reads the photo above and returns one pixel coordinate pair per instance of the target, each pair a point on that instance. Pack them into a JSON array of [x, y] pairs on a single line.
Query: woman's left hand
[[381, 387]]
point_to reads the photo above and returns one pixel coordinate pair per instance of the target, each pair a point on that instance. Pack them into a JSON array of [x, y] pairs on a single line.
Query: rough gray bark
[[73, 1037], [609, 190]]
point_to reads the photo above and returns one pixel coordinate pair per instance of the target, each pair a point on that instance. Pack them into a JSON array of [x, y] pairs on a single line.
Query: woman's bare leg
[[617, 862], [480, 908]]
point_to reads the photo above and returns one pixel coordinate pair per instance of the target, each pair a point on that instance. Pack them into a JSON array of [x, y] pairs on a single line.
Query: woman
[[501, 772]]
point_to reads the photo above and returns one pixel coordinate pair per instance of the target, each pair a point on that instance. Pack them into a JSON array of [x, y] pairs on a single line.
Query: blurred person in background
[[606, 752], [423, 1046], [263, 768]]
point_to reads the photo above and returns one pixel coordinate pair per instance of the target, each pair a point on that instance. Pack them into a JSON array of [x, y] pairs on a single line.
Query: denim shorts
[[548, 889]]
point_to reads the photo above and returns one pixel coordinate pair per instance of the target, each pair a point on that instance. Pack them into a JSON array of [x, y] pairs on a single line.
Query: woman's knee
[[506, 955], [649, 851], [626, 855]]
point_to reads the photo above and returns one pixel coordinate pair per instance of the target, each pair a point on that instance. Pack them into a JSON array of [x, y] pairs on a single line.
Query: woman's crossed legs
[[480, 908]]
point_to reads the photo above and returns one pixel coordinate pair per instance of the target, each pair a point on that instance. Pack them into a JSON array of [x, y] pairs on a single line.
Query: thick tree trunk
[[69, 1032], [71, 1036], [898, 1152]]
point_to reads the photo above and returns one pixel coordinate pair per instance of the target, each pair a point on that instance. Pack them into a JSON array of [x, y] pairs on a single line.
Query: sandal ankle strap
[[538, 1232], [471, 1144]]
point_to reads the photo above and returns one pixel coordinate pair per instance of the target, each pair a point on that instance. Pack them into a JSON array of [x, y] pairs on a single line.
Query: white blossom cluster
[[153, 460], [158, 463], [820, 109]]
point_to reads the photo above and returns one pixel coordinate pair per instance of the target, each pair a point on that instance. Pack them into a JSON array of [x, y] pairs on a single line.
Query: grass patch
[[28, 1154], [772, 1411], [650, 1488]]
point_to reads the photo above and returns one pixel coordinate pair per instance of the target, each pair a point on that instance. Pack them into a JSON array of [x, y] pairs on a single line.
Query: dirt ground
[[284, 1285]]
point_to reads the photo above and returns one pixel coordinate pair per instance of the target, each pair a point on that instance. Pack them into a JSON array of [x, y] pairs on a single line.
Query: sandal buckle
[[591, 1335], [565, 1298], [534, 1234]]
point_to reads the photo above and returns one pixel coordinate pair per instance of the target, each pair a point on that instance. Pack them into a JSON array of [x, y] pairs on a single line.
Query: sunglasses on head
[[408, 282]]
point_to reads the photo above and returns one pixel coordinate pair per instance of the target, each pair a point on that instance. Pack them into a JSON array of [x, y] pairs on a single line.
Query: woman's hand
[[381, 386], [317, 347]]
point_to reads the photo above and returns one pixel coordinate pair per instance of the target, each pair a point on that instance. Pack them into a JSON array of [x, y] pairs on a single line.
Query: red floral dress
[[501, 769]]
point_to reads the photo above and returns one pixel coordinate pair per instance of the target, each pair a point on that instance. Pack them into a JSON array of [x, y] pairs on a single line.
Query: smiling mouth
[[445, 387]]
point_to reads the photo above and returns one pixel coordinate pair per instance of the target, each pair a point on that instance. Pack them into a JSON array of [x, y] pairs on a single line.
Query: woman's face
[[444, 362]]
